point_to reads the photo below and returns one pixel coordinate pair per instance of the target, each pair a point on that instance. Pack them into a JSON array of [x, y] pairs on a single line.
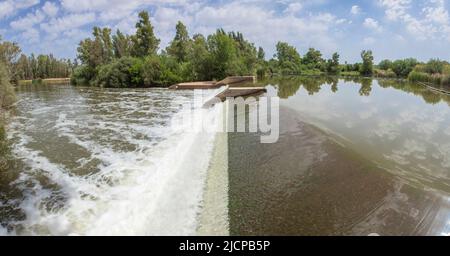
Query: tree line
[[22, 67], [119, 60], [42, 67]]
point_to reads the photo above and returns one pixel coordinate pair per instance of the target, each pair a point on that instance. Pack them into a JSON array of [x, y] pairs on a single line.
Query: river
[[355, 157]]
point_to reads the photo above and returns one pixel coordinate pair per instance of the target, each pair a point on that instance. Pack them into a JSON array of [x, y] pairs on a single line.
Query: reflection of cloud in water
[[365, 100], [387, 129], [368, 113], [444, 155], [319, 106], [410, 148]]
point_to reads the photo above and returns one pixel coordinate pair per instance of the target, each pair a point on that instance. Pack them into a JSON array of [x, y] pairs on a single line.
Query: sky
[[392, 29]]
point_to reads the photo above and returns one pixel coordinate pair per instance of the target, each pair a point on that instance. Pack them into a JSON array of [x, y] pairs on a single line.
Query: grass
[[384, 73], [350, 73], [438, 79]]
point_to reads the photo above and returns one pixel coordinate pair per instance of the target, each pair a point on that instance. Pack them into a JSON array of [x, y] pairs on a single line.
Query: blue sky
[[391, 28]]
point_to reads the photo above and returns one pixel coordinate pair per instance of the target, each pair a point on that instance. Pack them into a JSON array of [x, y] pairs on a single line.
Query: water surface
[[102, 162], [355, 157]]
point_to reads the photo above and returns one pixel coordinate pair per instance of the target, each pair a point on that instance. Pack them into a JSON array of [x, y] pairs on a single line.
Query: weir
[[228, 91], [231, 80]]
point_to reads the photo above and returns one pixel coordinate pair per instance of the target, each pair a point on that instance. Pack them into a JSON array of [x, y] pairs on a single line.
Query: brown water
[[90, 161], [354, 158]]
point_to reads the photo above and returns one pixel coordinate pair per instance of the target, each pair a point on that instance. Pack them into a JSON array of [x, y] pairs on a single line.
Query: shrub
[[416, 76], [7, 94], [82, 76], [385, 73], [434, 66], [402, 68], [123, 72]]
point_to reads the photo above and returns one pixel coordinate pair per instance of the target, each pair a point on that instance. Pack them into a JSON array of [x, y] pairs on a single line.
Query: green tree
[[333, 64], [385, 65], [121, 44], [144, 42], [261, 54], [435, 66], [313, 58], [289, 59], [200, 59], [366, 68], [9, 53], [181, 44], [223, 53], [402, 68]]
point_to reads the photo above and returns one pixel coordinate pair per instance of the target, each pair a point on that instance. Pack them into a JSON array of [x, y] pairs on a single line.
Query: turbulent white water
[[106, 162]]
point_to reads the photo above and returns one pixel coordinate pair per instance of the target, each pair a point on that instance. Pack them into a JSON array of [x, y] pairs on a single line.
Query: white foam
[[155, 190]]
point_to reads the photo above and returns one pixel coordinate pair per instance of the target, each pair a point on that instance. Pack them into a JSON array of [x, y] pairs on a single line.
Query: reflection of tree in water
[[288, 87], [334, 86], [366, 87], [429, 96]]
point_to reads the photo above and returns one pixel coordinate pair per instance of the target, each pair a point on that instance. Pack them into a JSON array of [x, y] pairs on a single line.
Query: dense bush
[[439, 79], [402, 68], [434, 66], [389, 73], [83, 76], [123, 72], [7, 95]]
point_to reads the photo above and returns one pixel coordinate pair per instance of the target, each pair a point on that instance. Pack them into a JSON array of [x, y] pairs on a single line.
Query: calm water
[[354, 158]]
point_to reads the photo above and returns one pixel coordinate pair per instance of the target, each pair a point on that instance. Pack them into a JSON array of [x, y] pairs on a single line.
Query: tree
[[122, 45], [261, 54], [435, 66], [402, 68], [23, 68], [385, 65], [144, 42], [223, 54], [289, 59], [200, 59], [9, 53], [7, 96], [333, 64], [181, 44], [366, 68], [313, 58]]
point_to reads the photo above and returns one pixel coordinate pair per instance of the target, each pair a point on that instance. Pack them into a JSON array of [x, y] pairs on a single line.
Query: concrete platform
[[195, 85], [231, 80], [236, 92]]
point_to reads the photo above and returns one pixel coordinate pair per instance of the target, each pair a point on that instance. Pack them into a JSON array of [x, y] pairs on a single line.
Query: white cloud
[[355, 10], [434, 24], [372, 24], [395, 9], [368, 40], [436, 13], [6, 9], [28, 21], [9, 7], [293, 8], [51, 9], [255, 22], [69, 22], [106, 5]]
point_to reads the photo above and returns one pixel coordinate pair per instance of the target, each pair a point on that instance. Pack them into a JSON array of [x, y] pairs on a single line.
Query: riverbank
[[50, 81]]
